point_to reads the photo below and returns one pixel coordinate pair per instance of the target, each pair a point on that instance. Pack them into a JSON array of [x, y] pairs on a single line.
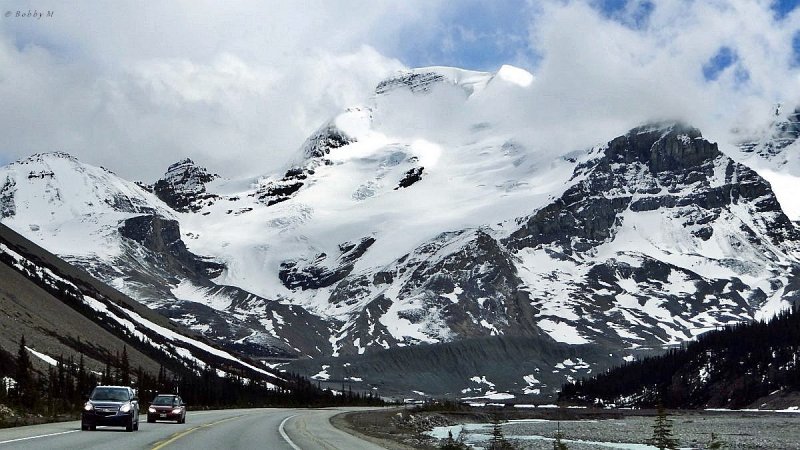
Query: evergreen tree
[[25, 389], [557, 443], [91, 383], [116, 376], [662, 431], [715, 443], [498, 441], [453, 444], [144, 385], [72, 396], [52, 391], [82, 387], [39, 392], [106, 379], [63, 389], [161, 381], [124, 368]]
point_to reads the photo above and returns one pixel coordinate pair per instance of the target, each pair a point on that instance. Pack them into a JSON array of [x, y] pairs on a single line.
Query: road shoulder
[[348, 422]]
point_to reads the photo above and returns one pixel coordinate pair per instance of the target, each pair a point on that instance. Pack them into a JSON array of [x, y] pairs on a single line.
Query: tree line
[[65, 387], [731, 367]]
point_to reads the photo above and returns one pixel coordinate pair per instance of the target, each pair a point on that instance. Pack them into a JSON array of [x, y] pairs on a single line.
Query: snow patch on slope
[[562, 332]]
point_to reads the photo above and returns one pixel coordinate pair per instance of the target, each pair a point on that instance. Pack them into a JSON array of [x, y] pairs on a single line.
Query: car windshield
[[163, 401], [110, 394]]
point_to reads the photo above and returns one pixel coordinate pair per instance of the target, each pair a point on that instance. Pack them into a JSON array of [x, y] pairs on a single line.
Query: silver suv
[[111, 405]]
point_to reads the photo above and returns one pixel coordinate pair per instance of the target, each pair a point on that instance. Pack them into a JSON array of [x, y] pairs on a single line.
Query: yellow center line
[[176, 436]]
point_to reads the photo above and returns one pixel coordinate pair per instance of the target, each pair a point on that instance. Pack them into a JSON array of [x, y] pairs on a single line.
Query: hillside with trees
[[63, 332], [744, 365]]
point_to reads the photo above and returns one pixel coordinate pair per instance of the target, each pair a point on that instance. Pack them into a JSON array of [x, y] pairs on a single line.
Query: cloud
[[601, 74], [239, 87], [472, 34]]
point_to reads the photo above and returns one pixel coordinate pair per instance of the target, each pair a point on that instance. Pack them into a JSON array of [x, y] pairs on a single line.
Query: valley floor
[[586, 429]]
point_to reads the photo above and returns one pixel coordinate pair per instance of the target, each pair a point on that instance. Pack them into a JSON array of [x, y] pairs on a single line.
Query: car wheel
[[92, 428], [129, 427], [150, 420], [84, 427], [136, 426]]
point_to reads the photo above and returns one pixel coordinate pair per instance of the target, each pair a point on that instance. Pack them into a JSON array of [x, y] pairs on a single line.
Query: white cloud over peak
[[238, 87], [156, 86], [598, 71]]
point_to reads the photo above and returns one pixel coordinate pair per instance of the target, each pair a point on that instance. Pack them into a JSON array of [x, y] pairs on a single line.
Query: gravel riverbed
[[736, 429]]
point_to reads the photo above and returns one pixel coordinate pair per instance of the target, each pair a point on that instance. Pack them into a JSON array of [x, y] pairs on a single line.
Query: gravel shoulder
[[374, 426]]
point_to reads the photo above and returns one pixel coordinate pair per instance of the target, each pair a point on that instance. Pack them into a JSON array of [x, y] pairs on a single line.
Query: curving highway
[[267, 428]]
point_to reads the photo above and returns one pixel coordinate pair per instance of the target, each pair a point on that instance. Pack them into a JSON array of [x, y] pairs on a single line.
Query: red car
[[167, 407]]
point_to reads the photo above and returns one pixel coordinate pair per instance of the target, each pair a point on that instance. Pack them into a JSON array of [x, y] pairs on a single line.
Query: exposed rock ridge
[[183, 186]]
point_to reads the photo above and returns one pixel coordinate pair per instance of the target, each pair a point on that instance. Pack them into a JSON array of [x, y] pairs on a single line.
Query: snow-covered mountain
[[431, 215]]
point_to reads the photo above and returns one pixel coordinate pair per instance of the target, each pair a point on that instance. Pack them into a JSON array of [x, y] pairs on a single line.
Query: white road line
[[37, 437], [283, 432]]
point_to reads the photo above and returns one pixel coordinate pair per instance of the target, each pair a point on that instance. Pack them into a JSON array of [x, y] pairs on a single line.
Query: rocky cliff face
[[169, 278], [163, 237], [415, 82], [652, 169], [664, 236], [183, 186]]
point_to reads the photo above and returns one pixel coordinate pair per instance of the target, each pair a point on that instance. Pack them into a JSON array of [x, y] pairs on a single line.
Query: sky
[[239, 86]]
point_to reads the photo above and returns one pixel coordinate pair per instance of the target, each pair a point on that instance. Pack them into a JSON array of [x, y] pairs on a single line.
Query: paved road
[[279, 429]]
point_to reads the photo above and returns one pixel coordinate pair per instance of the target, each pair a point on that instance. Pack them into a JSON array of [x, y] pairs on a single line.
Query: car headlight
[[125, 408], [88, 406], [151, 409], [176, 411]]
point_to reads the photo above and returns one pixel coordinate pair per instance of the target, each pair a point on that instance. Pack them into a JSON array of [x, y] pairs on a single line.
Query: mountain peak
[[663, 146], [423, 79], [48, 190], [184, 185], [326, 138], [182, 163], [47, 156], [187, 168]]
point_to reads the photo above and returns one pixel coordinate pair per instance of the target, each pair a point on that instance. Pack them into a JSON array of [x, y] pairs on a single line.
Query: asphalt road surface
[[267, 428]]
